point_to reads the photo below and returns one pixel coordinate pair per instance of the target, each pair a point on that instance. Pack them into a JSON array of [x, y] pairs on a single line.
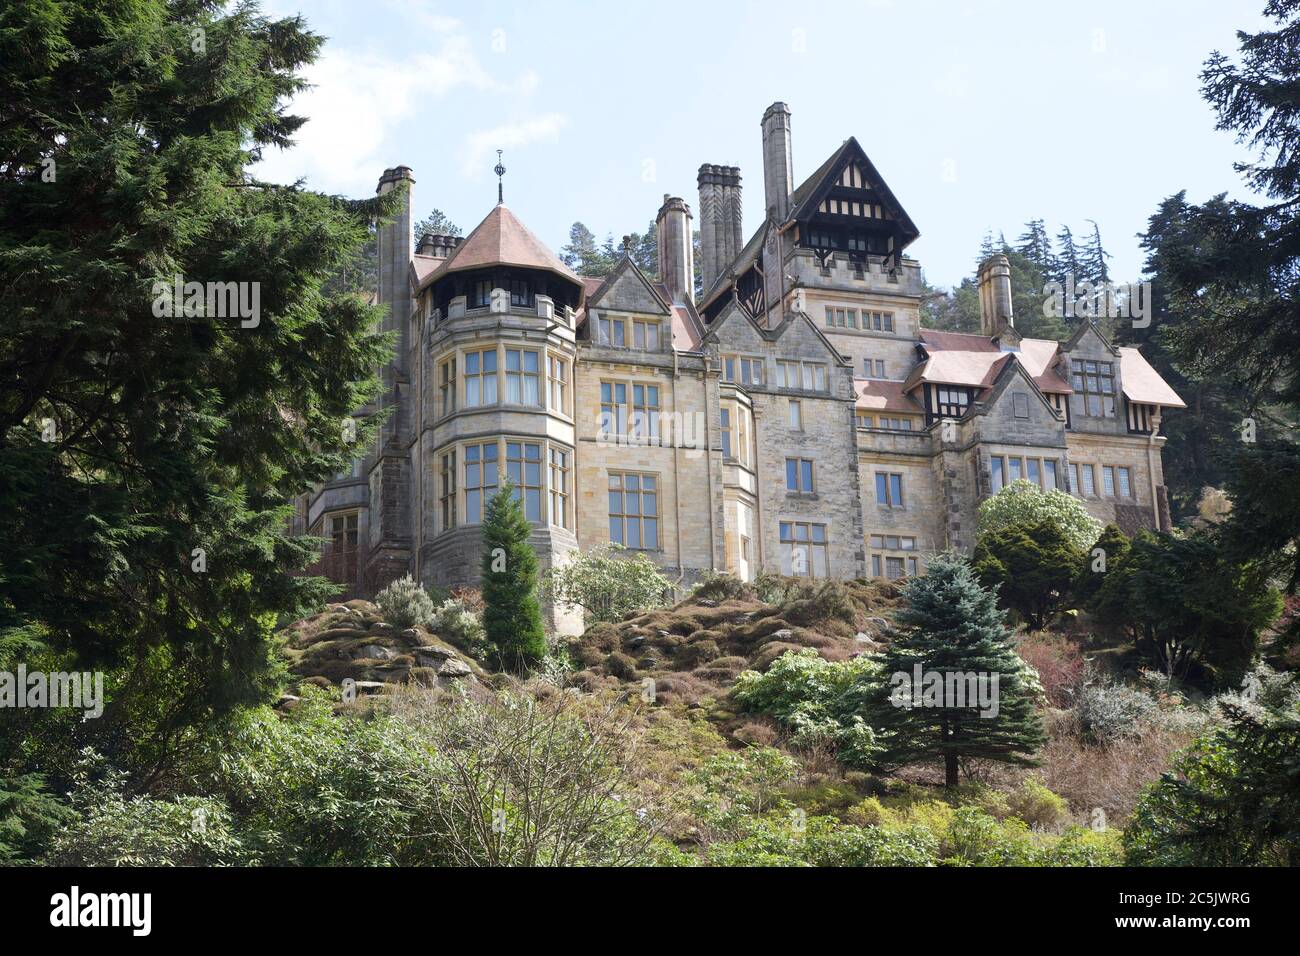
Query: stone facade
[[792, 416]]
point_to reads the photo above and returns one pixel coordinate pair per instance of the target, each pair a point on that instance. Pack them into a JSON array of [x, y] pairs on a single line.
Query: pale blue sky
[[979, 114]]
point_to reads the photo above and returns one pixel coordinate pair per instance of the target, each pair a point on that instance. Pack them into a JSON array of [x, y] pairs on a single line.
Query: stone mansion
[[795, 416]]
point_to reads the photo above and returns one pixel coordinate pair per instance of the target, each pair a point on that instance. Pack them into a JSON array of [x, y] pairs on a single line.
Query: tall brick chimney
[[676, 255], [721, 231], [995, 295], [778, 171]]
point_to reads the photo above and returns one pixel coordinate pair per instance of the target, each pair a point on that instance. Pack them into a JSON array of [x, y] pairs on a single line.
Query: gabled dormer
[[846, 207]]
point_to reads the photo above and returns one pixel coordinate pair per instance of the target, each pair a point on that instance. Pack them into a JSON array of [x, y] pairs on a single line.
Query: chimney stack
[[437, 246], [676, 257], [995, 295], [778, 171], [394, 240], [720, 220]]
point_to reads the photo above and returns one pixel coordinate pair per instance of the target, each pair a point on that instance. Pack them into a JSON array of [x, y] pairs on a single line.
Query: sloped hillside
[[352, 640], [697, 648]]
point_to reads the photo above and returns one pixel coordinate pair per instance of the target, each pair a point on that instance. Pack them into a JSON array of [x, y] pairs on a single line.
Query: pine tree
[[952, 627], [1092, 258], [584, 256], [512, 616], [1066, 262], [151, 453], [1036, 246], [436, 223], [987, 248]]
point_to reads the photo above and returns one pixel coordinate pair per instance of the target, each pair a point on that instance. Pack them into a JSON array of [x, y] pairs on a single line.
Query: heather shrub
[[405, 603], [1058, 661], [1106, 711]]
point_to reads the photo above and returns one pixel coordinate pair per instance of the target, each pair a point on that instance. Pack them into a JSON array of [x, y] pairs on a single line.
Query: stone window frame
[[1115, 470], [448, 512], [790, 540], [794, 414], [628, 415], [735, 361], [802, 465], [559, 496], [332, 537], [881, 554], [556, 360], [1007, 457], [889, 486], [460, 494], [1074, 477], [456, 361], [783, 365], [447, 397], [640, 517]]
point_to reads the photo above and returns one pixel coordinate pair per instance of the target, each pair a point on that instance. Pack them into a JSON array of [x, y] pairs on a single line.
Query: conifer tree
[[151, 451], [1066, 262], [1092, 259], [954, 633], [512, 616], [1036, 246]]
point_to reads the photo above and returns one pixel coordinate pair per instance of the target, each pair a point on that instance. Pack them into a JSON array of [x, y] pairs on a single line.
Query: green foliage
[[608, 584], [1230, 800], [951, 625], [113, 828], [29, 816], [405, 603], [809, 696], [170, 433], [512, 617], [1226, 271], [456, 623], [1030, 566], [1023, 503], [1185, 599]]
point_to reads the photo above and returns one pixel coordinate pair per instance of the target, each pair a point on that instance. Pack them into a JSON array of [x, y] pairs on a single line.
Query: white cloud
[[481, 145], [358, 99]]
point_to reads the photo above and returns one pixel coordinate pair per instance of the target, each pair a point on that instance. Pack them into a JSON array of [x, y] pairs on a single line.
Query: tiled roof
[[500, 239], [876, 395], [959, 358], [686, 332], [424, 267], [1142, 383]]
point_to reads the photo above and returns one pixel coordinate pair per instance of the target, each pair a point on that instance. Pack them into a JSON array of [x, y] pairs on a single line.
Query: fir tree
[[1092, 259], [437, 223], [1066, 262], [1036, 246], [952, 627], [151, 453], [584, 256], [512, 617]]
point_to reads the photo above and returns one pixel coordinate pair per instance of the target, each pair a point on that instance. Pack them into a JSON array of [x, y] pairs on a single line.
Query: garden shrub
[[405, 603]]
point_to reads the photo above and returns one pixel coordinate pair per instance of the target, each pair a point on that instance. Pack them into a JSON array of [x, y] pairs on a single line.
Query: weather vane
[[500, 171]]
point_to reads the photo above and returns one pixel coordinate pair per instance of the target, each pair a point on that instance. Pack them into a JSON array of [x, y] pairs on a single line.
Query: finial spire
[[500, 171], [627, 245]]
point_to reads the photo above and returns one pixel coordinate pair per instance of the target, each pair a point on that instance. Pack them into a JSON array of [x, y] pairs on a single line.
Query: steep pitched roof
[[747, 256], [804, 200], [500, 239], [1143, 384], [684, 323]]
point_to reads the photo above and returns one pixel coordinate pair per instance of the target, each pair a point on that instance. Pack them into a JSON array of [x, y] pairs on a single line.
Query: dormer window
[[613, 332], [1094, 387], [645, 335]]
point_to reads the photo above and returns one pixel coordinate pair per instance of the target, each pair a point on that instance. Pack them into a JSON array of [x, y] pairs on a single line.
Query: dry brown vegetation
[[694, 650]]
